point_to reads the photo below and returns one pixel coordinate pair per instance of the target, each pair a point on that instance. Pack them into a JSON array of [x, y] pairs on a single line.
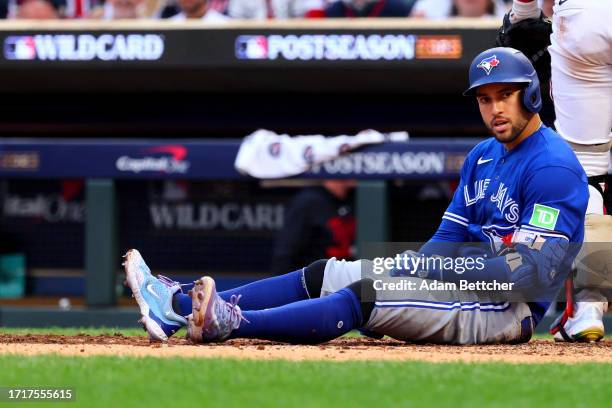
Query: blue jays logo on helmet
[[488, 64]]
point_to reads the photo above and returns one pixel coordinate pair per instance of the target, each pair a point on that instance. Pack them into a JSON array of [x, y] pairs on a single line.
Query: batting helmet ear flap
[[532, 99]]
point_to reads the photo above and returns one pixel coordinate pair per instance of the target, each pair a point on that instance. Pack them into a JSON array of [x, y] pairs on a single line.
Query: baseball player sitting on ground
[[522, 189]]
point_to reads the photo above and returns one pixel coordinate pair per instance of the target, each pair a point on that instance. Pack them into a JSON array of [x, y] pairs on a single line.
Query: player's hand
[[396, 272], [523, 274], [530, 36], [545, 261]]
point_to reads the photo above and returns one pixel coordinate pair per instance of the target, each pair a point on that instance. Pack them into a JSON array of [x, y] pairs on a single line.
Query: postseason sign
[[288, 47], [347, 47]]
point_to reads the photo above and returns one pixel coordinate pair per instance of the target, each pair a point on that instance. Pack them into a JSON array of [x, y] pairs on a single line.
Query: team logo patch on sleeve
[[544, 216]]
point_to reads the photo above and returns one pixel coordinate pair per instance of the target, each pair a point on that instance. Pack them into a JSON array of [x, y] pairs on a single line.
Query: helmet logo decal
[[488, 64]]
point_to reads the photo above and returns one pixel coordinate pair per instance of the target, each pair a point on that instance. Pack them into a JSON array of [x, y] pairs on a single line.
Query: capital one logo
[[544, 216], [167, 159]]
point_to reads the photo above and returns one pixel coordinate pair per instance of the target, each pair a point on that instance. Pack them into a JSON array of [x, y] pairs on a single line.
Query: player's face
[[502, 111]]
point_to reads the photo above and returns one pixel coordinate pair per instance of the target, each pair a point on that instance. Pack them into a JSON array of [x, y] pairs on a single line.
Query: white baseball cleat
[[587, 323]]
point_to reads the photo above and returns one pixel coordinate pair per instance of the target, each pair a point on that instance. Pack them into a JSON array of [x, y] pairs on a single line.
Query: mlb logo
[[488, 64], [20, 48], [253, 47]]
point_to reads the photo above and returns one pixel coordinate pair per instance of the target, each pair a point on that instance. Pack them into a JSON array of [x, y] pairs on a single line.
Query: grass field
[[151, 382]]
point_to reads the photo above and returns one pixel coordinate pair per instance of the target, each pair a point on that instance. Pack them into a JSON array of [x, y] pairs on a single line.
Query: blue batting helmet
[[506, 65]]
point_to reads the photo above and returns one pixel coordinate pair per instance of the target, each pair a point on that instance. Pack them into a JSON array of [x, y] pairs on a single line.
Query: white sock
[[524, 9]]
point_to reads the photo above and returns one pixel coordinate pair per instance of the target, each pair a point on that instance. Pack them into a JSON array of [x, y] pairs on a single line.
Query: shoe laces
[[231, 311], [171, 283]]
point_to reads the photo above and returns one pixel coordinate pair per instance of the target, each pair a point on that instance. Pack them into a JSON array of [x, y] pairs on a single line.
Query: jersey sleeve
[[456, 211], [554, 203]]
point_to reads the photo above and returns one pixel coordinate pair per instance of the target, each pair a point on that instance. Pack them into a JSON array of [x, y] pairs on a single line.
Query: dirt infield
[[536, 351]]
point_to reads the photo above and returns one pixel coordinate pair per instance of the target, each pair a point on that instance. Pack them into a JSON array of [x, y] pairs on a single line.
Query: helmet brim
[[471, 91]]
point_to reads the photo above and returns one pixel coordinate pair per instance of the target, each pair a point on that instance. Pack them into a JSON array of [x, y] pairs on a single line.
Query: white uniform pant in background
[[581, 62]]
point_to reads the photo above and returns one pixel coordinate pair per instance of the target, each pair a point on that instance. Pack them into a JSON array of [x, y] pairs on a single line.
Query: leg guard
[[313, 277]]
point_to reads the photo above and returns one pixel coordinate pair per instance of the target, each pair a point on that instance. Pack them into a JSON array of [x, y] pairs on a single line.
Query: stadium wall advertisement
[[215, 160], [230, 47], [84, 47]]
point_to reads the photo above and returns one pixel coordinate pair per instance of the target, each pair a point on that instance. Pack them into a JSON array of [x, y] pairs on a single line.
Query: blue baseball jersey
[[537, 187]]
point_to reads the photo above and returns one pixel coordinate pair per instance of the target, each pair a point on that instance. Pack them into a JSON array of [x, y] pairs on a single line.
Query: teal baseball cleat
[[154, 298]]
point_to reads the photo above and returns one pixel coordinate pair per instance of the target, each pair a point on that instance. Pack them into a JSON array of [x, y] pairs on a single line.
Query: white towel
[[267, 155]]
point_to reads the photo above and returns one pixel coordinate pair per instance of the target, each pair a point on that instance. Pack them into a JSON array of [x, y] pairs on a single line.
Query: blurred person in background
[[197, 10], [473, 8], [118, 9], [278, 9], [169, 8], [61, 8], [166, 9], [459, 8], [36, 10], [369, 8], [546, 6], [4, 8], [318, 223], [75, 8]]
